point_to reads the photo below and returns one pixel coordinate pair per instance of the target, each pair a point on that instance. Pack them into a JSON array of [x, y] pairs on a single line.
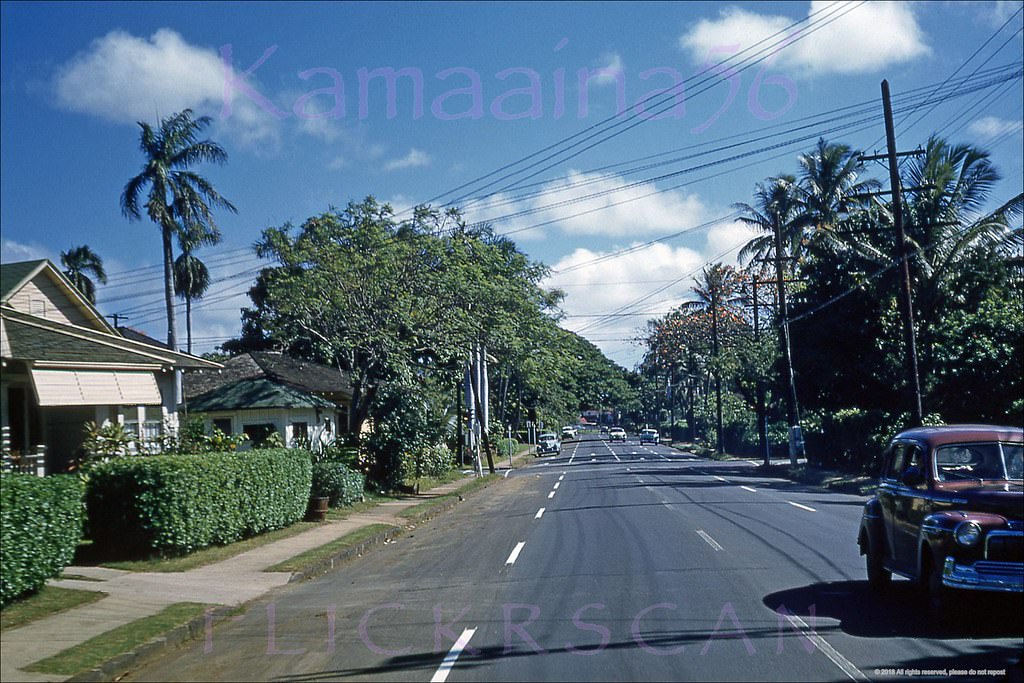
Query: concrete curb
[[122, 664]]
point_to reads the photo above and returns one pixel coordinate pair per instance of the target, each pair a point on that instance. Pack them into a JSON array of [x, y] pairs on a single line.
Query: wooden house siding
[[43, 298]]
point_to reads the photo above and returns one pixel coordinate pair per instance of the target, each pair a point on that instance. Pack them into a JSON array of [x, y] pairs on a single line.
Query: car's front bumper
[[984, 575]]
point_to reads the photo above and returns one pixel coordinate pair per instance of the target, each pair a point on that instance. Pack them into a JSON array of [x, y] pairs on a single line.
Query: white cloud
[[598, 205], [16, 251], [124, 78], [415, 158], [868, 38], [990, 127], [997, 13], [610, 68]]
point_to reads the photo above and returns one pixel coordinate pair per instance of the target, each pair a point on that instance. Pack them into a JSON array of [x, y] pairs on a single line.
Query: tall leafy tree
[[79, 264], [178, 200]]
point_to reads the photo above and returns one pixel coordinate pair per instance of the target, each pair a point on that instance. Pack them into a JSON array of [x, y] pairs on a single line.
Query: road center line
[[710, 541], [721, 478], [802, 507], [617, 458], [515, 552], [844, 664], [557, 484], [747, 488], [562, 477], [441, 675], [551, 495], [540, 513], [571, 457]]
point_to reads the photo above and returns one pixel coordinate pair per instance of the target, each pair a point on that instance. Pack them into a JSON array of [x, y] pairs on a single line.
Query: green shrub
[[40, 527], [506, 446], [176, 504], [336, 481]]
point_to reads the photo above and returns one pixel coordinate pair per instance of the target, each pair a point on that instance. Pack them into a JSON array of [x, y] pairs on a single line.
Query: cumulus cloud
[[990, 127], [868, 38], [414, 159], [608, 70], [17, 251], [584, 204], [125, 78]]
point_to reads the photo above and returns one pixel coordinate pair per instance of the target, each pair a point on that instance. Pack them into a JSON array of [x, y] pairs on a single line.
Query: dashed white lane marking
[[617, 458], [557, 484], [551, 495], [844, 664], [540, 513], [593, 460], [642, 457], [664, 458], [721, 478], [562, 477], [747, 488], [441, 675], [573, 456], [802, 507], [515, 552], [710, 541]]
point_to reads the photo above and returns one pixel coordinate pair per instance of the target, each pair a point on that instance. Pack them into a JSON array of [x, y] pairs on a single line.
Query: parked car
[[649, 436], [617, 434], [949, 513], [548, 443]]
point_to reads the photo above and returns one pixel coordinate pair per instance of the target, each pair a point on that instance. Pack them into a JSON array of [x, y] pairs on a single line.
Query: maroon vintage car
[[949, 512]]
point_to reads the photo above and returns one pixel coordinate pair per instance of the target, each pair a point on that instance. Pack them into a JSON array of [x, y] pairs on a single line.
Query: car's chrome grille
[[989, 567], [1002, 546]]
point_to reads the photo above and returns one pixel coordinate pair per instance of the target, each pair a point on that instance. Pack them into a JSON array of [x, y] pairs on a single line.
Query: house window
[[300, 434], [153, 426], [223, 424], [258, 433], [37, 307]]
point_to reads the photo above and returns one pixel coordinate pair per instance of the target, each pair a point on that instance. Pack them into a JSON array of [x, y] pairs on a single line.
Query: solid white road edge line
[[844, 664], [710, 541], [449, 659], [540, 513], [802, 507], [515, 552]]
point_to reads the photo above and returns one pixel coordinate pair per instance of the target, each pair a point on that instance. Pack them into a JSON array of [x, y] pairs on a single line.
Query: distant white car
[[569, 433], [649, 436], [617, 434], [548, 443]]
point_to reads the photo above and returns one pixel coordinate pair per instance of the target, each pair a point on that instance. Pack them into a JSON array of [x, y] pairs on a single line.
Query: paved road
[[607, 562]]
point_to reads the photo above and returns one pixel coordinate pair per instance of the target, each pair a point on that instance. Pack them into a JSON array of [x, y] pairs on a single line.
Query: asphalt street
[[613, 562]]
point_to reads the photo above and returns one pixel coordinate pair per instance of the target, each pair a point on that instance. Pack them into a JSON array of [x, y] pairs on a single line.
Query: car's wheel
[[879, 577]]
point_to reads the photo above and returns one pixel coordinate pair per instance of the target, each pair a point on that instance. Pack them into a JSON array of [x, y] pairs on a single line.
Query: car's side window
[[894, 461], [915, 458]]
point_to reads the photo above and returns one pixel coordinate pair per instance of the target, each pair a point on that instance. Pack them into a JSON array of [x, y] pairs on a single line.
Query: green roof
[[13, 274], [256, 392]]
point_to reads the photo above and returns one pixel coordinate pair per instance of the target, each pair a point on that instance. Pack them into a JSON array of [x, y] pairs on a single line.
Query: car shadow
[[897, 611]]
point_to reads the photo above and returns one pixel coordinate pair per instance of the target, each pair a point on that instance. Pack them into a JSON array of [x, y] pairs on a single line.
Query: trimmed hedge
[[175, 504], [334, 480], [40, 527]]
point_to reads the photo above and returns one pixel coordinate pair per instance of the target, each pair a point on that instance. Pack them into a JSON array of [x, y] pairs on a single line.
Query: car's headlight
[[967, 533]]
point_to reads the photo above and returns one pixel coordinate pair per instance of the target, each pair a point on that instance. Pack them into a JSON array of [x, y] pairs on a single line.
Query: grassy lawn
[[122, 639], [47, 601], [219, 553], [311, 557], [470, 487]]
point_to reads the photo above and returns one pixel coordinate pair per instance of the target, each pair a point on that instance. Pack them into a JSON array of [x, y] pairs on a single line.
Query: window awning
[[95, 387]]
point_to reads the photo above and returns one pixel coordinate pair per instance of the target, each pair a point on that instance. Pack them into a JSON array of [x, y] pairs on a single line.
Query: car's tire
[[940, 600], [879, 578]]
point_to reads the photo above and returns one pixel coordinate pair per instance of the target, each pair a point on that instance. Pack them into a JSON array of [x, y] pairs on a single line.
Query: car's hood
[[999, 497]]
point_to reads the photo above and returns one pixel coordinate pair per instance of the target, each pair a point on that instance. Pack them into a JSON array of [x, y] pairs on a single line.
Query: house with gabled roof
[[263, 392], [64, 365]]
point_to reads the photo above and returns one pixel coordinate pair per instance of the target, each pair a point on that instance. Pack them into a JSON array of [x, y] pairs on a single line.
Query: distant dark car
[[548, 443], [949, 513]]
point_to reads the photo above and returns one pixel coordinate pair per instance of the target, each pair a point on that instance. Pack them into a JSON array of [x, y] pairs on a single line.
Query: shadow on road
[[897, 612]]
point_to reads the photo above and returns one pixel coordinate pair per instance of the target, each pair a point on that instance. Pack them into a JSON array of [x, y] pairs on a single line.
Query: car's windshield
[[955, 462]]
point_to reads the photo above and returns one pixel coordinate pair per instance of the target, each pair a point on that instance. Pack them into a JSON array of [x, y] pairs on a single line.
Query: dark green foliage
[[41, 526], [176, 504], [336, 481]]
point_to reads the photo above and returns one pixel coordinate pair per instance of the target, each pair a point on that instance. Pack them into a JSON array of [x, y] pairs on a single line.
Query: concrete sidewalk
[[231, 582]]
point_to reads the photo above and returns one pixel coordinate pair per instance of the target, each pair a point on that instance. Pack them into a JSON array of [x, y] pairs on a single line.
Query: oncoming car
[[617, 434], [548, 443], [649, 436], [569, 433], [949, 513]]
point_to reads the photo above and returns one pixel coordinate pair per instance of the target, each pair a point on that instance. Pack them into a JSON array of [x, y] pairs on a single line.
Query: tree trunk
[[188, 321], [172, 328]]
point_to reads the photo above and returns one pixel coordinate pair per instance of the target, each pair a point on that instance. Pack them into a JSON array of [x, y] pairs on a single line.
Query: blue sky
[[499, 82]]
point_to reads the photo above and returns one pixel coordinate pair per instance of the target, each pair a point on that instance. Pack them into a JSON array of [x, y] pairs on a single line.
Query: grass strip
[[121, 640], [427, 505], [45, 602], [324, 552], [219, 553]]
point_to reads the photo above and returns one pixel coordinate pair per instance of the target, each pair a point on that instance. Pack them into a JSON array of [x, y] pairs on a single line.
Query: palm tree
[[191, 280], [79, 263], [179, 199], [830, 185], [717, 291]]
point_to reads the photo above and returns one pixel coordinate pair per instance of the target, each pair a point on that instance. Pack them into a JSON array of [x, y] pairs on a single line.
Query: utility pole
[[117, 317], [906, 303], [762, 417], [796, 437]]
